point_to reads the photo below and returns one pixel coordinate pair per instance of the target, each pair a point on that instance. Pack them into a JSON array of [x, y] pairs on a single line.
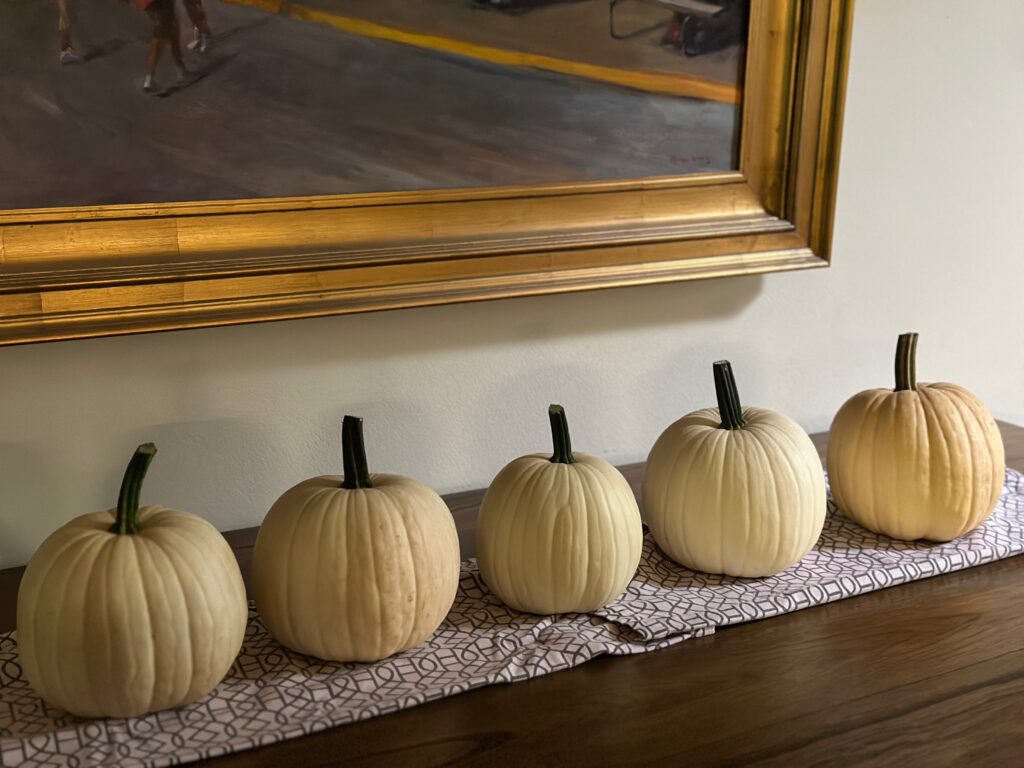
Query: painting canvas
[[153, 101]]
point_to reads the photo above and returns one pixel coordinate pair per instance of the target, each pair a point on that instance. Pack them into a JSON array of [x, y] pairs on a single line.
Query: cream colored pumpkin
[[356, 570], [558, 533], [922, 461], [733, 490], [121, 622]]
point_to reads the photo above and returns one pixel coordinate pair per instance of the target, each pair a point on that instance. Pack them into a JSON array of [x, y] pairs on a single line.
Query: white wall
[[929, 237]]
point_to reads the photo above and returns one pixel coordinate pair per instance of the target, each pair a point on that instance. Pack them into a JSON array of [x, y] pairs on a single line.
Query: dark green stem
[[906, 362], [127, 519], [729, 407], [353, 454], [560, 436]]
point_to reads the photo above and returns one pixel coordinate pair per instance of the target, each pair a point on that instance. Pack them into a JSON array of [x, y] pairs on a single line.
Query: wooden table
[[925, 674]]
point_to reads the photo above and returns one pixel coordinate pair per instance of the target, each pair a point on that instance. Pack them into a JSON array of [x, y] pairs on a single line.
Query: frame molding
[[83, 272]]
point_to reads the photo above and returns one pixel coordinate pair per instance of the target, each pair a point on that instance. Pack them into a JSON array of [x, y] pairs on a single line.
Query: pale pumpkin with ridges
[[356, 569], [558, 533], [120, 622], [733, 490], [921, 461]]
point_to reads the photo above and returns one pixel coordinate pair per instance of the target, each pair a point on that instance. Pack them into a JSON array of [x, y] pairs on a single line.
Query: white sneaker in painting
[[199, 42]]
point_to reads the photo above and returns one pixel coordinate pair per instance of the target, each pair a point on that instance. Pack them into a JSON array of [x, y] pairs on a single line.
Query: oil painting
[[154, 101]]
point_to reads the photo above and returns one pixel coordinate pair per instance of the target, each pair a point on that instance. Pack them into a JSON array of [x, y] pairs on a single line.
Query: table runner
[[272, 694]]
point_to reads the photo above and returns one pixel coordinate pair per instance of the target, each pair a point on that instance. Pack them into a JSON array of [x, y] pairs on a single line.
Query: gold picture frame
[[97, 271]]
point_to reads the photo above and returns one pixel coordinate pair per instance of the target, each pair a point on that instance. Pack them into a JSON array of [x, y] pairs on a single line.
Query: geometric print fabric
[[273, 694]]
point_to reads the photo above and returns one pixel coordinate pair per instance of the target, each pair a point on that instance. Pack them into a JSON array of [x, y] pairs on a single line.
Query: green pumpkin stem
[[729, 407], [127, 519], [906, 362], [560, 436], [353, 454]]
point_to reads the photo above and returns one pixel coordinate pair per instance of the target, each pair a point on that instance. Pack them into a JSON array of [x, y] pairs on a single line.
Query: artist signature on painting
[[692, 160]]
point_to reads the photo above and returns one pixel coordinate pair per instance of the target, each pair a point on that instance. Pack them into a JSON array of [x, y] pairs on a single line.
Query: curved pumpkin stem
[[906, 362], [353, 454], [560, 436], [729, 407], [127, 519]]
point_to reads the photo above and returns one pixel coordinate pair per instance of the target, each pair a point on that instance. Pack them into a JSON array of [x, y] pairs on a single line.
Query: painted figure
[[68, 54], [705, 32], [201, 37], [165, 35]]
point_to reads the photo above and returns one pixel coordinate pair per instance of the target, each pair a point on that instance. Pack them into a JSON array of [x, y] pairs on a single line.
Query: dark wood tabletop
[[930, 673]]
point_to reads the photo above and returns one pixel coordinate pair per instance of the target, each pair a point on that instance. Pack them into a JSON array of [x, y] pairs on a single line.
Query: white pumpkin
[[558, 533], [355, 569], [734, 490], [119, 620], [921, 461]]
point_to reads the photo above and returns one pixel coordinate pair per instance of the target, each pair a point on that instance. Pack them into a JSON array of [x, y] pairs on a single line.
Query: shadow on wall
[[539, 318], [429, 330], [382, 336], [242, 413], [25, 501], [255, 464], [246, 457]]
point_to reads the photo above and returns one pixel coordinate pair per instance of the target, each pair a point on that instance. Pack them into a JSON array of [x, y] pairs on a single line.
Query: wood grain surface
[[925, 674]]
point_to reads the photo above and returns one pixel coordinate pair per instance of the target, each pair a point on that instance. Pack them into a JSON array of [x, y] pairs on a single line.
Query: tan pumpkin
[[119, 620], [921, 461], [355, 569], [734, 490], [558, 532]]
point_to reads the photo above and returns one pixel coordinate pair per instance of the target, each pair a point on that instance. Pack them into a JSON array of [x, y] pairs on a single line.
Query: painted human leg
[[68, 54], [166, 34], [201, 35]]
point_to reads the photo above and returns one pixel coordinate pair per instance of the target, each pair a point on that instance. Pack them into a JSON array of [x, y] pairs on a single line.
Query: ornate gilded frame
[[80, 272]]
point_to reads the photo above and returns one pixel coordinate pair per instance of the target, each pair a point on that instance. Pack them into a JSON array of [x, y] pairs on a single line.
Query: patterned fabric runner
[[272, 694]]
